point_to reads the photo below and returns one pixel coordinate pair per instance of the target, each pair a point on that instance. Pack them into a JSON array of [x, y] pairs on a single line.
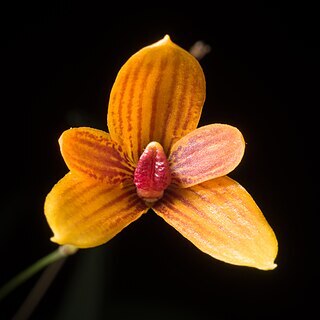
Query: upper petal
[[157, 96], [208, 152], [87, 213], [92, 153], [221, 219]]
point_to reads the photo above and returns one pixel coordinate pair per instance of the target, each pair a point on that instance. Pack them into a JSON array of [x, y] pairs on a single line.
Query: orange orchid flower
[[154, 156]]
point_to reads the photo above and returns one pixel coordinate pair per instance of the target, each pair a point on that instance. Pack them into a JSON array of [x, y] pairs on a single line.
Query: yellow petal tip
[[55, 240], [268, 267], [164, 41], [166, 38]]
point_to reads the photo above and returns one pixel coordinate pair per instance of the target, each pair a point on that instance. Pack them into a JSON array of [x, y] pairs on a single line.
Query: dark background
[[58, 66]]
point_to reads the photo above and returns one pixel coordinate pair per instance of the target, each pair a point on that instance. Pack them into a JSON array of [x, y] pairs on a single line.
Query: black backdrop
[[59, 64]]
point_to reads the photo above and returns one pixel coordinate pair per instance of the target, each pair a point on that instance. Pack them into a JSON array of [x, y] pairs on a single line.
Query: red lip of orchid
[[154, 156], [152, 174]]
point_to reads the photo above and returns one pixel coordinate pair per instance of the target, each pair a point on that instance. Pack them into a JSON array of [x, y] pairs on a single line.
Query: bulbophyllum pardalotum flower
[[155, 157]]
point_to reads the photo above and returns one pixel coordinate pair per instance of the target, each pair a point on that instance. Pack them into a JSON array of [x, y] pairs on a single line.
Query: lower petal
[[86, 213], [221, 219]]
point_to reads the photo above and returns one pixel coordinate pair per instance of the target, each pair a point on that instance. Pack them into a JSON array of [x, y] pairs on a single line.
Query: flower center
[[152, 174]]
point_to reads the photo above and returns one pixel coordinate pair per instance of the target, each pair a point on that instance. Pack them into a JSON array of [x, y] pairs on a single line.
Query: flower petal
[[157, 96], [221, 219], [86, 213], [92, 153], [208, 152]]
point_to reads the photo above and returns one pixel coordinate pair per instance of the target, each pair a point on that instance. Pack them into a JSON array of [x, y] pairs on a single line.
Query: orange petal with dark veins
[[92, 153], [157, 96], [221, 219], [87, 213]]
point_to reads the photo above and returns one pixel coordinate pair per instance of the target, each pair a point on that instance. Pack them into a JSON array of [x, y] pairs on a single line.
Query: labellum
[[152, 174]]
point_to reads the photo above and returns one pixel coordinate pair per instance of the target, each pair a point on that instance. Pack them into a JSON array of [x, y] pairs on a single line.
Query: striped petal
[[86, 213], [157, 96], [91, 152], [222, 220], [208, 152]]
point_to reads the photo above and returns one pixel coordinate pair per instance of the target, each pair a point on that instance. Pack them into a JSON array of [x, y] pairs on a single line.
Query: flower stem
[[38, 291], [61, 252]]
